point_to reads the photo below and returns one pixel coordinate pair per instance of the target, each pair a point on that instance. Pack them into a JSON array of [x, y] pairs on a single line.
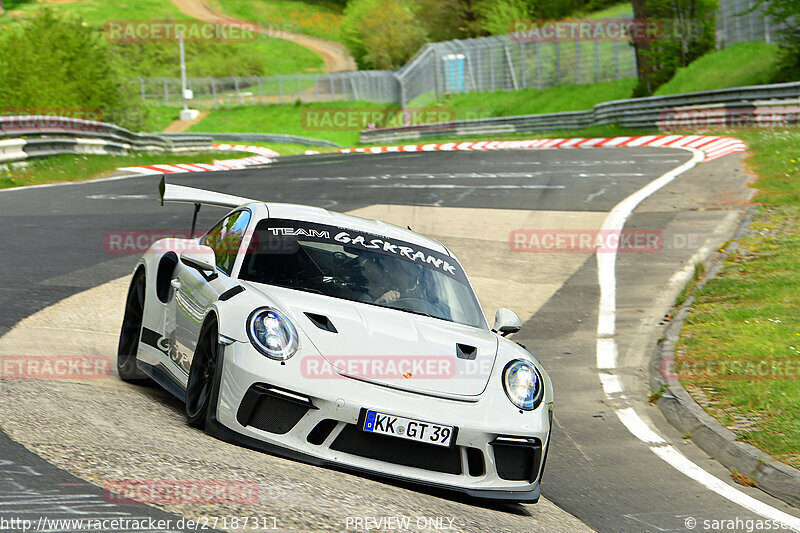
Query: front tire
[[202, 375], [131, 332]]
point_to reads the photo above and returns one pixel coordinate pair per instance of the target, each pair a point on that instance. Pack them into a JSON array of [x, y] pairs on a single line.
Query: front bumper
[[498, 453]]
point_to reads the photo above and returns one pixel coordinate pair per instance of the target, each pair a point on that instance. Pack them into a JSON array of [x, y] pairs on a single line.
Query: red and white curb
[[264, 156], [713, 147]]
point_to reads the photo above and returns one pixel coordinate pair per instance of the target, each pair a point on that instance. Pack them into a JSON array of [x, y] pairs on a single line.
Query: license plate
[[407, 428]]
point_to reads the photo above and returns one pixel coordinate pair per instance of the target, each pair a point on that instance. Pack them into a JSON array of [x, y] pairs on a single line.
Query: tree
[[686, 32], [381, 34], [50, 63], [786, 12]]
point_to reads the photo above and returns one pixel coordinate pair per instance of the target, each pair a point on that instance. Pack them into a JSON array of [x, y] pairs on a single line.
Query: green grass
[[528, 101], [746, 321], [68, 167], [284, 118], [262, 56], [318, 19], [612, 12], [741, 64]]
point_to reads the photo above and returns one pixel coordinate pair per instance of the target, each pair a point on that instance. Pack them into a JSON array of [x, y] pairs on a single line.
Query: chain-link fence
[[376, 86], [459, 66], [736, 23]]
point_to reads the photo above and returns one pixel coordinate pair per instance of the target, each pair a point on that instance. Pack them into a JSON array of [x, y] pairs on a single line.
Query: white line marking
[[606, 348], [639, 427], [685, 466]]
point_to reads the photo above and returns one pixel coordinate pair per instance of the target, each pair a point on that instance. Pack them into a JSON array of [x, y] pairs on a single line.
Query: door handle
[[176, 284]]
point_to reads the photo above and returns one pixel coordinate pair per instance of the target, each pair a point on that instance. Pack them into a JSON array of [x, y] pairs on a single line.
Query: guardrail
[[255, 137], [24, 137], [649, 112]]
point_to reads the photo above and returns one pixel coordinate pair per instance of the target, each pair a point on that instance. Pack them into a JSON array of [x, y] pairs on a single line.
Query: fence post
[[141, 89], [401, 93], [259, 88], [523, 65], [316, 88], [214, 92], [596, 60], [752, 20], [578, 79], [299, 88], [236, 89], [616, 59], [558, 62], [166, 91], [491, 68], [539, 81], [280, 89]]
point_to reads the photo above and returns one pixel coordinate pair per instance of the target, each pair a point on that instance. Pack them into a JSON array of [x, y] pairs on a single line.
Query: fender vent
[[322, 322], [464, 351]]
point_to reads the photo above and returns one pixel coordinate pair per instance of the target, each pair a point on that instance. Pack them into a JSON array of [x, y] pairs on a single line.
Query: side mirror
[[506, 322], [200, 257]]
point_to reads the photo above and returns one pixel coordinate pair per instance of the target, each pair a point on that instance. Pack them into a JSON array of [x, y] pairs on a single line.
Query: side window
[[226, 237]]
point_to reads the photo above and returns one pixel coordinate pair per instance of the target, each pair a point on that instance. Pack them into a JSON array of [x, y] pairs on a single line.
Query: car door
[[196, 291]]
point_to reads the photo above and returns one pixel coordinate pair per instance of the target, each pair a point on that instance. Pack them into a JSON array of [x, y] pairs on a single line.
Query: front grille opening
[[398, 451], [475, 463], [321, 431], [517, 459], [271, 410]]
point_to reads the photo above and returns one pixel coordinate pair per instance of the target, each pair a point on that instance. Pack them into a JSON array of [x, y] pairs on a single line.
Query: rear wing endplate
[[189, 195]]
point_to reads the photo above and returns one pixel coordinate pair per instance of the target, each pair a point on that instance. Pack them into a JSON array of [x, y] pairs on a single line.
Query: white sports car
[[338, 341]]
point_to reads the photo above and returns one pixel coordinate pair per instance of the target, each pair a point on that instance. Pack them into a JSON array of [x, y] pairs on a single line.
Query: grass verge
[[739, 351], [69, 167], [318, 19], [741, 64]]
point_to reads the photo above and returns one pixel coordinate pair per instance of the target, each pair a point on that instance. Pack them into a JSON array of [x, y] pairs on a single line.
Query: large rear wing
[[189, 195]]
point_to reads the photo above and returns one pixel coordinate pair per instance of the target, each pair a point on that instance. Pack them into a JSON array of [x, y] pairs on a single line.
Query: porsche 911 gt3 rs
[[338, 341]]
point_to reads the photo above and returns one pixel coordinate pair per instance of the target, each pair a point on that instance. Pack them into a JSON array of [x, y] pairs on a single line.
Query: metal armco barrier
[[650, 112], [255, 137], [24, 137]]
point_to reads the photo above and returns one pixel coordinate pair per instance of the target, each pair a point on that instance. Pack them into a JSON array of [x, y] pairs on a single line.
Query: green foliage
[[497, 16], [50, 62], [750, 63], [381, 34], [788, 13], [689, 32]]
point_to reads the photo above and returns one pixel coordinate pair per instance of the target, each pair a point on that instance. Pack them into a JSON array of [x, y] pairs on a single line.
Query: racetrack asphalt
[[54, 248]]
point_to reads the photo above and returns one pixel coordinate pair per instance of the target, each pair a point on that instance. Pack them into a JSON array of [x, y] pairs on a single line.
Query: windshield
[[360, 267]]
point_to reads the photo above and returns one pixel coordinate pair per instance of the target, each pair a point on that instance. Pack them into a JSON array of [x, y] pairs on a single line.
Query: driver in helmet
[[389, 280]]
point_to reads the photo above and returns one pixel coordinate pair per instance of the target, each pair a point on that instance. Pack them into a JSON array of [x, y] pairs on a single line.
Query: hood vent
[[322, 322]]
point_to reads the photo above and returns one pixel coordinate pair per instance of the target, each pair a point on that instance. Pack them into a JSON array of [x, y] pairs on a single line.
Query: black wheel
[[202, 374], [131, 331]]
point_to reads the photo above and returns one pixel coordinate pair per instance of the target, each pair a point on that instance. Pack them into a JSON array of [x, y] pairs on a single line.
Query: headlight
[[272, 334], [523, 384]]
